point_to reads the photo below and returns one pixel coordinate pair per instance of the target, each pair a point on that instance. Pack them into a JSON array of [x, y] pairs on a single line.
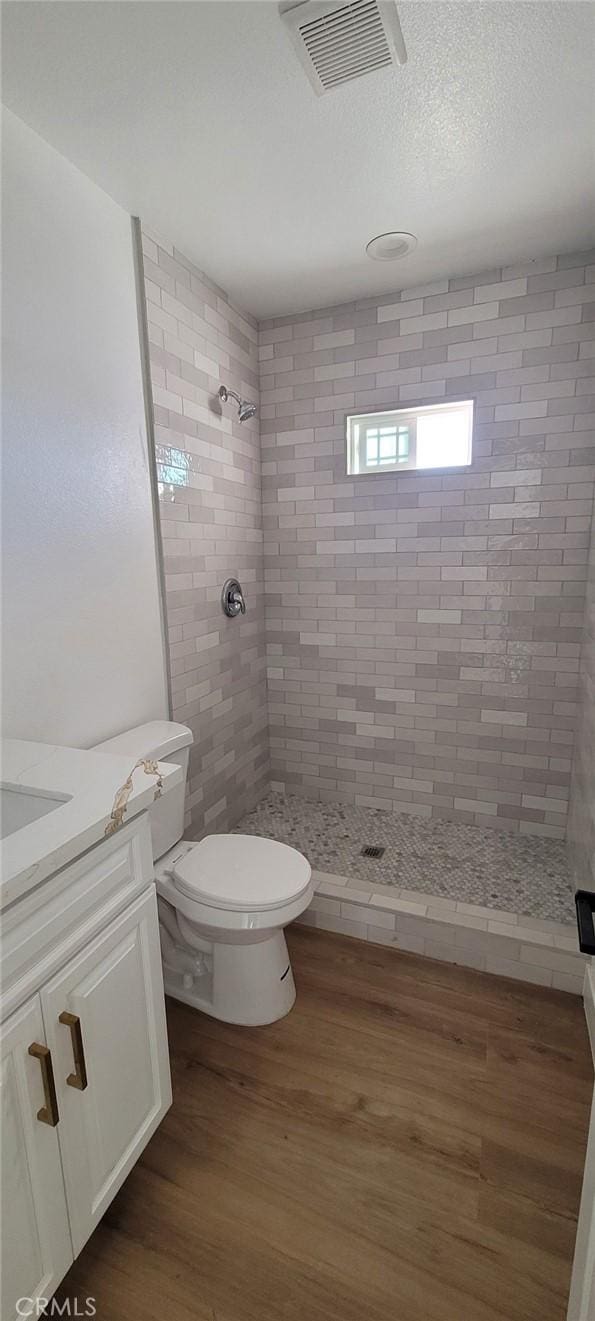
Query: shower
[[245, 408]]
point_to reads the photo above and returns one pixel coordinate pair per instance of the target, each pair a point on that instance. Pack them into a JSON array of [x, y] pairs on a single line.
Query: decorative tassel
[[150, 767]]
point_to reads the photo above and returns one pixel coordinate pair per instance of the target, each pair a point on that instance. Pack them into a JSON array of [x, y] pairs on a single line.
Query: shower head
[[245, 408]]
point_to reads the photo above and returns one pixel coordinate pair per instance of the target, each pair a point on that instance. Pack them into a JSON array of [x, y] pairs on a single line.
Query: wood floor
[[407, 1145]]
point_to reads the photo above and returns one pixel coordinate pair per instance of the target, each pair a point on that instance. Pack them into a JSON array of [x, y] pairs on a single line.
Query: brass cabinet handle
[[77, 1079], [49, 1112]]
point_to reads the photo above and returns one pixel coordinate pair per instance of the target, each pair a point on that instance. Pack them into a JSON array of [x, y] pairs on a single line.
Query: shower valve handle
[[232, 598]]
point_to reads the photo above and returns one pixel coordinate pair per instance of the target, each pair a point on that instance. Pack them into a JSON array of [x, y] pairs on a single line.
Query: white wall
[[82, 638]]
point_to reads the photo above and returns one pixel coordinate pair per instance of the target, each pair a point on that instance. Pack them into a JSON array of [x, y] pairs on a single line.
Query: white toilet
[[223, 902]]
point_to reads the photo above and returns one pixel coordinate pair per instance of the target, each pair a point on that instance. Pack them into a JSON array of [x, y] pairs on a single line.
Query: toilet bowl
[[223, 902]]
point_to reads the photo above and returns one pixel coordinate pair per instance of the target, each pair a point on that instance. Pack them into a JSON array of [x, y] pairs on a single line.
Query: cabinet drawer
[[63, 913]]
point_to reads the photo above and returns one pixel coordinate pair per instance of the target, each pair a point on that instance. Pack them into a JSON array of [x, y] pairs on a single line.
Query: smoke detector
[[336, 43]]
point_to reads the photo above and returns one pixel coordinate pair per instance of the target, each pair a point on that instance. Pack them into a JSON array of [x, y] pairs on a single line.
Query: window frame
[[358, 467]]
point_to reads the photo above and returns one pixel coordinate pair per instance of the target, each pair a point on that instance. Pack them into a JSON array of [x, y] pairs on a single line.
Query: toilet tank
[[164, 741]]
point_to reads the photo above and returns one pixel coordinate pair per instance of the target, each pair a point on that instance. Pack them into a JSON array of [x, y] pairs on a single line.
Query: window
[[438, 436]]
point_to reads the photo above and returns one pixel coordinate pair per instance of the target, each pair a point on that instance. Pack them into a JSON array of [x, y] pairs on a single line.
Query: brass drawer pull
[[77, 1079], [49, 1112]]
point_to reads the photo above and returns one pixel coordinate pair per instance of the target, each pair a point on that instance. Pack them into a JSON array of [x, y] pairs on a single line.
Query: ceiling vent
[[339, 42]]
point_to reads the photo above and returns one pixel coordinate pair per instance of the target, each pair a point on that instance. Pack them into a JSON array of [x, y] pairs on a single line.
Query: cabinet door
[[581, 1304], [104, 1016], [36, 1246]]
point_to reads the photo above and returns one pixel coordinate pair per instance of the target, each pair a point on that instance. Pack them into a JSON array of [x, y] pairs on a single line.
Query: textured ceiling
[[199, 118]]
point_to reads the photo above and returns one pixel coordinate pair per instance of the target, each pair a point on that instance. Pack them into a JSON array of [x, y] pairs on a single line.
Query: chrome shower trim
[[245, 408]]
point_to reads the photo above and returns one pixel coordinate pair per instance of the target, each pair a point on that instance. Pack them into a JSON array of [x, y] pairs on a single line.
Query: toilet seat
[[241, 873]]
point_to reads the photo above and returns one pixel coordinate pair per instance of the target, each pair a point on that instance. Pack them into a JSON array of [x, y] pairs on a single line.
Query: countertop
[[91, 780]]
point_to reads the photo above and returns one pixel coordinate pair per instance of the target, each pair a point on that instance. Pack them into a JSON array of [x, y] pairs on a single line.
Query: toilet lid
[[242, 871]]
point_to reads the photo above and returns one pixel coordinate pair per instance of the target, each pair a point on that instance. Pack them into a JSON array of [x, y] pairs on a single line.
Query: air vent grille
[[347, 44], [337, 43]]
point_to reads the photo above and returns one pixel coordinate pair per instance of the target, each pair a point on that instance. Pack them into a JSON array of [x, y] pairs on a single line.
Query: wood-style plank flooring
[[407, 1145]]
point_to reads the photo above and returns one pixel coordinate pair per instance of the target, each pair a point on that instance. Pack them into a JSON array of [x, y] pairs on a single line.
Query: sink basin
[[20, 805]]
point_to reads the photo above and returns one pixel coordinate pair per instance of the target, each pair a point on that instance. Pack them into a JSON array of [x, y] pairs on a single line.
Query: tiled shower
[[423, 630]]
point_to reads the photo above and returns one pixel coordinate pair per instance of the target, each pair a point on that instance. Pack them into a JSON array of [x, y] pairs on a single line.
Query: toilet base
[[249, 984]]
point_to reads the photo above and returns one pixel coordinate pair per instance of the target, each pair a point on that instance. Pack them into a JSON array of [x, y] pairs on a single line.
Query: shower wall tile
[[581, 820], [424, 629], [211, 524]]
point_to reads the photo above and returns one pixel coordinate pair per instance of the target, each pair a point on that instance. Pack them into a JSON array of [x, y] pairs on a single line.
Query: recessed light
[[390, 247]]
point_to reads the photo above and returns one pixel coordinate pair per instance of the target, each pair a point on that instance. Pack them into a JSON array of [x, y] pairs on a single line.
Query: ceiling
[[198, 117]]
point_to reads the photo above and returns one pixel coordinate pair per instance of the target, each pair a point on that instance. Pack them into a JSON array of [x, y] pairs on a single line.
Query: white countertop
[[91, 781]]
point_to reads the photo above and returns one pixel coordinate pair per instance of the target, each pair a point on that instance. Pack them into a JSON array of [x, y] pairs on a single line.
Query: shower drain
[[372, 851]]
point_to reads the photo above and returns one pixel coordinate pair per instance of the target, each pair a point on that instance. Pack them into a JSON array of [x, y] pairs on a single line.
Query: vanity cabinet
[[85, 1066], [36, 1246], [104, 1017]]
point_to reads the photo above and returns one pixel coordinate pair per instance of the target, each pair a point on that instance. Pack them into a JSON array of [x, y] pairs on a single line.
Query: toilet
[[223, 902]]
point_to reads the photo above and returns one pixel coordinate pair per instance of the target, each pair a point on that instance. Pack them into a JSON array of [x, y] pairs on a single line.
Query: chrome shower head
[[246, 410]]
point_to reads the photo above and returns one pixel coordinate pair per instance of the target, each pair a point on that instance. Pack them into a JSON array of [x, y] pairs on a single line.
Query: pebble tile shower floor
[[520, 874]]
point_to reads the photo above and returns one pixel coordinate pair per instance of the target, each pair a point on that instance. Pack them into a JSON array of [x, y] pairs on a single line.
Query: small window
[[438, 436]]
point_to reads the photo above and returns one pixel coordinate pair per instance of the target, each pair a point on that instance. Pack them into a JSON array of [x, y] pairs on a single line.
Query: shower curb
[[530, 949]]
